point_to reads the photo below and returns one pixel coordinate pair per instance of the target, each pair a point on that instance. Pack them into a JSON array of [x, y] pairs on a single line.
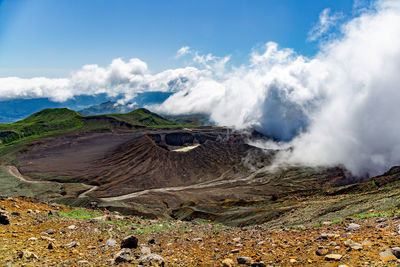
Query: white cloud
[[184, 50], [325, 23], [338, 107]]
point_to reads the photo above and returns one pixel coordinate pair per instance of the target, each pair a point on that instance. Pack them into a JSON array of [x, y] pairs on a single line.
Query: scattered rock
[[49, 231], [387, 255], [396, 252], [4, 218], [348, 242], [382, 225], [356, 246], [129, 242], [122, 256], [235, 250], [198, 239], [152, 259], [47, 238], [228, 263], [53, 213], [292, 261], [72, 244], [321, 252], [145, 250], [333, 257], [83, 262], [110, 243], [27, 255], [243, 260], [71, 227], [353, 227]]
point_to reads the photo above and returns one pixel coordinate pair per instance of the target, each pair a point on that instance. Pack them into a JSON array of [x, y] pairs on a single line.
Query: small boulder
[[129, 242], [243, 260], [353, 227], [321, 252], [396, 252], [152, 259], [123, 256], [387, 255], [4, 218]]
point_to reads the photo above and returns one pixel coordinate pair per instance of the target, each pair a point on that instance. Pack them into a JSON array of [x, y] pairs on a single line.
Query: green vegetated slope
[[62, 120]]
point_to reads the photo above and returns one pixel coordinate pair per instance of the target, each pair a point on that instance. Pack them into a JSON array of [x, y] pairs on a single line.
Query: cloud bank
[[338, 107]]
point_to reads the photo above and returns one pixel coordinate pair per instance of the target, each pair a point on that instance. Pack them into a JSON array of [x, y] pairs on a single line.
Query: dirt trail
[[15, 172], [217, 182]]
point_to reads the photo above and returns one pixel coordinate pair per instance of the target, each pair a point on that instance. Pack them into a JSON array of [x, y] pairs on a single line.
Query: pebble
[[235, 250], [72, 244], [71, 227], [356, 246], [321, 252], [228, 263], [333, 257], [110, 243], [243, 260], [49, 231]]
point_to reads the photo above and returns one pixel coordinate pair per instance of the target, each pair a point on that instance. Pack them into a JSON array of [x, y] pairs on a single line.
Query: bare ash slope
[[34, 233]]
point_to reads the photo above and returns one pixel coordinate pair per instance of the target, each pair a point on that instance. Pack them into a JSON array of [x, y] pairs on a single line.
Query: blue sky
[[52, 38]]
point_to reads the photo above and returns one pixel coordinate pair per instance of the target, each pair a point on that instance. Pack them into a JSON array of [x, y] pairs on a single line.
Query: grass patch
[[337, 220], [80, 214], [376, 215]]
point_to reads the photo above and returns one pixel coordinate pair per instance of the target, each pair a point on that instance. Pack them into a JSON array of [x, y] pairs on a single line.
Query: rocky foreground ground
[[33, 233]]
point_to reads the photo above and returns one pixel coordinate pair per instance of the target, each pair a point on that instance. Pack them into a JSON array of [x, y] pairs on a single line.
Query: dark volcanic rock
[[129, 242], [4, 218]]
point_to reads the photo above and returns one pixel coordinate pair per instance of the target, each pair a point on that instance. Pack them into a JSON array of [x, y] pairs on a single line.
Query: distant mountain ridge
[[62, 120], [17, 109]]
